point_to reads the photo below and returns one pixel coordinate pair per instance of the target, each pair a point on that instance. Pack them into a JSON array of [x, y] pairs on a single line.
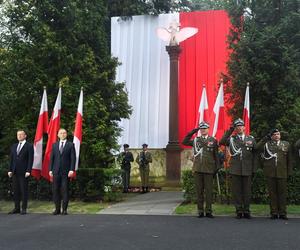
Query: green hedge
[[90, 184], [259, 189]]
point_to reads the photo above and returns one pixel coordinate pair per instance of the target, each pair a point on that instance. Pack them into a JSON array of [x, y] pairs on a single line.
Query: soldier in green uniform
[[241, 166], [277, 166], [206, 164], [143, 159], [125, 159]]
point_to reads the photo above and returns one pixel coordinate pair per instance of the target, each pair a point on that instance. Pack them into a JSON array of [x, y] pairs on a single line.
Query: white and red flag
[[203, 113], [41, 129], [246, 112], [218, 115], [53, 128], [78, 130]]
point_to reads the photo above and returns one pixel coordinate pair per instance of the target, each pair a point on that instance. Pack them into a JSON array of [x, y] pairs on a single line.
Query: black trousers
[[126, 179], [60, 191], [20, 189]]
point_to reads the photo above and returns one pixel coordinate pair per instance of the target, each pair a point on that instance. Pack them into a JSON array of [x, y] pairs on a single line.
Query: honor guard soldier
[[144, 158], [277, 166], [125, 159], [241, 148], [205, 166]]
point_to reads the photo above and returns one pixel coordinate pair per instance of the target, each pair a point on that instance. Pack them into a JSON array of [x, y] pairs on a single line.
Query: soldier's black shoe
[[14, 211], [56, 212], [247, 216], [64, 212], [283, 217], [274, 217], [239, 216], [23, 212], [200, 215], [209, 215]]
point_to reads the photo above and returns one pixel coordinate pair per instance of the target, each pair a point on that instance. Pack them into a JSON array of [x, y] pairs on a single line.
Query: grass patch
[[223, 209]]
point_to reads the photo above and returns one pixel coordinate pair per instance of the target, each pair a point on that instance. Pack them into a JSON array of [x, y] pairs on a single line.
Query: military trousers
[[144, 172], [241, 193], [204, 191], [277, 188], [126, 179]]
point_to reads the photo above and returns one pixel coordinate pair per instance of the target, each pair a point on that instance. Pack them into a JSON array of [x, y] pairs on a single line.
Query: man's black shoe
[[274, 217], [23, 211], [200, 215], [283, 217], [209, 215], [239, 216], [14, 211], [56, 212], [247, 216], [64, 212]]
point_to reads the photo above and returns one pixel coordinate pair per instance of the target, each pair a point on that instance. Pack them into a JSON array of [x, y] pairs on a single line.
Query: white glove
[[27, 174], [10, 174]]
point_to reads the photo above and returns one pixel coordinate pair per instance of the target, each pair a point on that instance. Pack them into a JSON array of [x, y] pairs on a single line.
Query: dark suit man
[[61, 168], [21, 160]]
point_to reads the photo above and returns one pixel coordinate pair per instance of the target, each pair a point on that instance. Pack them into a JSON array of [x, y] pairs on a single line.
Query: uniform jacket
[[22, 163], [206, 161], [125, 158], [61, 164], [143, 159], [280, 168], [243, 164]]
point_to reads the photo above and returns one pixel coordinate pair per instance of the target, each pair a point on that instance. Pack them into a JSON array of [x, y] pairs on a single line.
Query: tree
[[265, 45], [60, 42]]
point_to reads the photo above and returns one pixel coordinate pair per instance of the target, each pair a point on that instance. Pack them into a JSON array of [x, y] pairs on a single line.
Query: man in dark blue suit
[[21, 160], [61, 168]]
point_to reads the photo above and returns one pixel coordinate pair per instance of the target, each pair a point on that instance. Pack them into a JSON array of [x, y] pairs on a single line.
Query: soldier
[[125, 159], [205, 166], [143, 159], [277, 166], [241, 166]]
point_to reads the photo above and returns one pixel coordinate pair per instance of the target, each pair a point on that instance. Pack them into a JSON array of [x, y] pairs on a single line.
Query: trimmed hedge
[[90, 184], [259, 188]]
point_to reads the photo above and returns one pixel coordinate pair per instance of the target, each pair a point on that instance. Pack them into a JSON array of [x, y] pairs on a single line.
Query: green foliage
[[265, 47], [90, 185], [60, 42], [259, 187]]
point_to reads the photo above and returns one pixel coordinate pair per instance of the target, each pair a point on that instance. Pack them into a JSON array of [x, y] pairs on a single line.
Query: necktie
[[19, 148], [61, 147]]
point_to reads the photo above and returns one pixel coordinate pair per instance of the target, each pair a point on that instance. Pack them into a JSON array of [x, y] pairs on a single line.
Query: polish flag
[[203, 108], [41, 129], [246, 112], [78, 130], [218, 115], [53, 128]]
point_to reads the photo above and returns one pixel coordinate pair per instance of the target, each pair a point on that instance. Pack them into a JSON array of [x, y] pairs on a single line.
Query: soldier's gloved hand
[[267, 137], [195, 130]]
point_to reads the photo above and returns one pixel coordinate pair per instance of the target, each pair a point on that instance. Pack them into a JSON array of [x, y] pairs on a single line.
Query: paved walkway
[[153, 203]]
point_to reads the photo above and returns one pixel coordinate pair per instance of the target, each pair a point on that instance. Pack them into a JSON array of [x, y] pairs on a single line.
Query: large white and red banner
[[78, 129], [53, 128], [41, 129], [145, 70]]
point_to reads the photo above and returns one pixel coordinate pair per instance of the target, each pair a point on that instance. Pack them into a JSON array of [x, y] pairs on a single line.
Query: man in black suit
[[61, 168], [21, 160]]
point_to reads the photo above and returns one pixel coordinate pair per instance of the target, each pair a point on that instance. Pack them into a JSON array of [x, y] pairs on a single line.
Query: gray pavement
[[139, 232], [153, 203]]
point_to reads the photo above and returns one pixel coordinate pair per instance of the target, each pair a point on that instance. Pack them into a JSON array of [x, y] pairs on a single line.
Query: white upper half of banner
[[145, 70]]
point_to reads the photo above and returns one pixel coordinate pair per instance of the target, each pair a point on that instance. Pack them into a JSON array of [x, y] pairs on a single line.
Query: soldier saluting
[[241, 166], [277, 166], [206, 164]]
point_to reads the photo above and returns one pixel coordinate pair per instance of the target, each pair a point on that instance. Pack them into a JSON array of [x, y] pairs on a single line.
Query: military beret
[[203, 125], [126, 145], [238, 122], [273, 131], [145, 145]]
